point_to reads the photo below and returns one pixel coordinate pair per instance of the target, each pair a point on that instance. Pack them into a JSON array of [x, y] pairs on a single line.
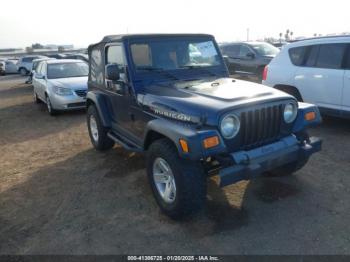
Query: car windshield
[[265, 49], [65, 70], [174, 54]]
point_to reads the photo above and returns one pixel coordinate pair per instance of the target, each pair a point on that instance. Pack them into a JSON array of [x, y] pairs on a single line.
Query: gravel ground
[[59, 196]]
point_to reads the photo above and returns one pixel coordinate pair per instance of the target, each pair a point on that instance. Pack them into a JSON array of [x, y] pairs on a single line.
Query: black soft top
[[115, 38]]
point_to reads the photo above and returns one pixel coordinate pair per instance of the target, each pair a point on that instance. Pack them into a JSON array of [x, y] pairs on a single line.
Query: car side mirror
[[112, 72], [250, 55], [39, 76]]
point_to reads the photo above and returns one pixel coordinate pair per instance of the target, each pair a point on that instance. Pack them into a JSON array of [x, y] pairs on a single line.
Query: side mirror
[[250, 55], [39, 76], [112, 72]]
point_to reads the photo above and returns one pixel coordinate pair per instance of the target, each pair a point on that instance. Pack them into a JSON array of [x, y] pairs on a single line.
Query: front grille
[[260, 126], [81, 104], [81, 93]]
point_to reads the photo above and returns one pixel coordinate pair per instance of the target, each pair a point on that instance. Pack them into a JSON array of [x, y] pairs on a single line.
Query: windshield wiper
[[158, 70]]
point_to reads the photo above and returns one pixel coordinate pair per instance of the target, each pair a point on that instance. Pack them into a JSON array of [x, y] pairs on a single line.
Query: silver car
[[61, 84]]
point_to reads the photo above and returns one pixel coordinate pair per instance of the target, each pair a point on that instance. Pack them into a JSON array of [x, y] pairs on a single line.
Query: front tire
[[50, 109], [97, 132], [178, 185]]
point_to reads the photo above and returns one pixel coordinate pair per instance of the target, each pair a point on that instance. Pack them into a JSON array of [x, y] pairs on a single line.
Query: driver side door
[[120, 94]]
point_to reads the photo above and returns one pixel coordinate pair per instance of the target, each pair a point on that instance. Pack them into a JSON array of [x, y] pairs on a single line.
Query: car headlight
[[229, 126], [62, 91], [290, 113]]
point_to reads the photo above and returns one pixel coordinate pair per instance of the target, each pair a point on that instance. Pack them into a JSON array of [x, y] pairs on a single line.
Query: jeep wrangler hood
[[207, 99]]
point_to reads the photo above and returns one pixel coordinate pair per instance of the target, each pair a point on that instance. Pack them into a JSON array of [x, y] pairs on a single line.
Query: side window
[[330, 56], [232, 50], [243, 51], [115, 55], [297, 55], [96, 66], [312, 55], [347, 58]]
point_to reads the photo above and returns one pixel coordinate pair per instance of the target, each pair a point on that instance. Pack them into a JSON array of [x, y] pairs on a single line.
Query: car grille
[[81, 93], [260, 126], [81, 104]]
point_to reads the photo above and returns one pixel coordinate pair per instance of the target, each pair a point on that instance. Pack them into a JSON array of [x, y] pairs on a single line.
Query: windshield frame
[[220, 68], [80, 62]]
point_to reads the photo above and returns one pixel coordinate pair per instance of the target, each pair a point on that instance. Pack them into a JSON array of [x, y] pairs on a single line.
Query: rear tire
[[97, 132], [189, 177], [291, 168], [23, 71]]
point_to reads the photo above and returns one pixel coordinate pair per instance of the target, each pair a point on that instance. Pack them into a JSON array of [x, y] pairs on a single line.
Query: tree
[[61, 49], [291, 35], [37, 46], [29, 49], [281, 37]]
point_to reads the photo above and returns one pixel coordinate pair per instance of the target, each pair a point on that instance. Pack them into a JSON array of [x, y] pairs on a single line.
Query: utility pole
[[247, 34]]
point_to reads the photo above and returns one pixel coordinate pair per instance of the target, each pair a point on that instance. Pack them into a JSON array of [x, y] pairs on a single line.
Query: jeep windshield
[[175, 54]]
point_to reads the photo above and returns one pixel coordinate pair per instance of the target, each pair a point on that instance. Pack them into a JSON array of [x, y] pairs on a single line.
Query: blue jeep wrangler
[[171, 96]]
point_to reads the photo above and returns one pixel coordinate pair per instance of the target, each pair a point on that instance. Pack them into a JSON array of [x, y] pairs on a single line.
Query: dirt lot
[[59, 196]]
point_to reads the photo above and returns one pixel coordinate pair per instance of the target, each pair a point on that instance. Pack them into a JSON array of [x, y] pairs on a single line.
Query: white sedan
[[61, 84]]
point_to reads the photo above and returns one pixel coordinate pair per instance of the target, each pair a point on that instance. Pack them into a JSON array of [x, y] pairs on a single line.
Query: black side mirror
[[112, 72], [250, 55]]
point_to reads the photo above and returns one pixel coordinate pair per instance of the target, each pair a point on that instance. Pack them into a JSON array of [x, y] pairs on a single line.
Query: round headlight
[[229, 126], [290, 113]]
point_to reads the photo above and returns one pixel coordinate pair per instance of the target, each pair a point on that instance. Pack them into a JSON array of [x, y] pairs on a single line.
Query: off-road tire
[[291, 168], [190, 180], [103, 142]]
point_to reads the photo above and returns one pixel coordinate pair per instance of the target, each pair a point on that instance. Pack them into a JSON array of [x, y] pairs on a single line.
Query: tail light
[[264, 74]]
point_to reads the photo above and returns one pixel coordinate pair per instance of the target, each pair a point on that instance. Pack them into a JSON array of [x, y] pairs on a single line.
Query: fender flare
[[176, 131], [99, 100]]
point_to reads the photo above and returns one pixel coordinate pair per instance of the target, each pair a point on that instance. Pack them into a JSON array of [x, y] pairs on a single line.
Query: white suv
[[315, 70]]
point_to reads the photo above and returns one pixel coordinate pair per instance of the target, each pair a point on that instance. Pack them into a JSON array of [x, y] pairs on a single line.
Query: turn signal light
[[184, 145], [210, 142], [310, 116]]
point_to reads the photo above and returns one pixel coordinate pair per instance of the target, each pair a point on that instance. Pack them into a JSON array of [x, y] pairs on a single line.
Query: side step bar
[[124, 142]]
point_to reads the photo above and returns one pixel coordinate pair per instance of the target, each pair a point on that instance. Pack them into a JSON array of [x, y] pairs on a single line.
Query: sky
[[81, 23]]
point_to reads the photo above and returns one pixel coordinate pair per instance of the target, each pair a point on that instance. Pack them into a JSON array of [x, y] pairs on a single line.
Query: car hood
[[74, 83], [207, 99]]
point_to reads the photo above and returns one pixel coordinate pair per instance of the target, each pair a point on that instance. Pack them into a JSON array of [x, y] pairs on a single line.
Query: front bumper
[[252, 163], [70, 102]]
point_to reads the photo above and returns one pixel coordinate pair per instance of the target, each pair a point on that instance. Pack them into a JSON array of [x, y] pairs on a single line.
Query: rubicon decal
[[173, 115]]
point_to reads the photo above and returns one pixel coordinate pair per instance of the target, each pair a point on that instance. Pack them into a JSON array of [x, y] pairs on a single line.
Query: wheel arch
[[292, 90], [97, 100]]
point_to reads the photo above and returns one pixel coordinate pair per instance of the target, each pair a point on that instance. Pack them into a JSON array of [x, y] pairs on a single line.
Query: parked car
[[190, 117], [35, 65], [61, 84], [248, 59], [24, 65], [315, 70], [82, 57], [57, 56], [11, 66], [2, 68]]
